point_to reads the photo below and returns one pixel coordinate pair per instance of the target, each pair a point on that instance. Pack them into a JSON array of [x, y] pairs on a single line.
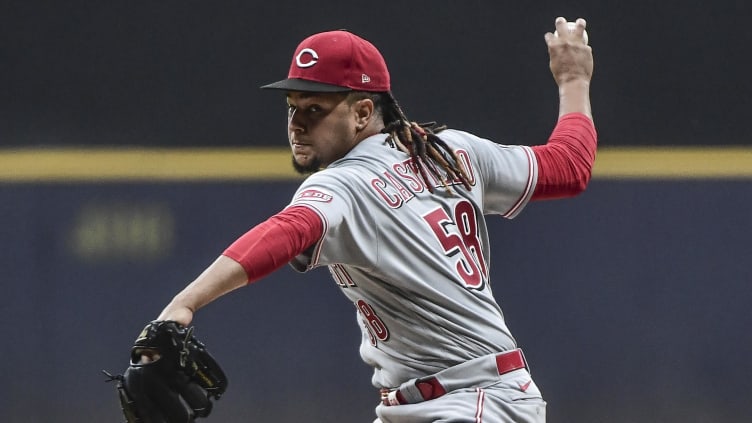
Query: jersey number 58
[[458, 235]]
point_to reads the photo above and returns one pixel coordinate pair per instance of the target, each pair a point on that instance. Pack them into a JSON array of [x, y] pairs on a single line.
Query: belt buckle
[[511, 360]]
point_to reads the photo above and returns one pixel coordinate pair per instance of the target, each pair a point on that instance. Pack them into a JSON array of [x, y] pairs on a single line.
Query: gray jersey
[[416, 264]]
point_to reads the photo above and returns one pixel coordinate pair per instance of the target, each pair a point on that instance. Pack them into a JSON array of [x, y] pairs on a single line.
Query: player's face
[[321, 128]]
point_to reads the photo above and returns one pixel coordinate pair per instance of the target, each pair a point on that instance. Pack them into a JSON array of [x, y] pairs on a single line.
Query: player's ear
[[363, 109]]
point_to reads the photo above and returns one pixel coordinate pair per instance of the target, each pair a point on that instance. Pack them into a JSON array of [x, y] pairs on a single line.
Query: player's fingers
[[580, 25], [144, 355], [549, 36], [561, 24], [569, 31]]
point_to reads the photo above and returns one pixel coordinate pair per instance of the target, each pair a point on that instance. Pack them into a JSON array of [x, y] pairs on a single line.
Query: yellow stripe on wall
[[249, 164], [154, 164], [673, 163]]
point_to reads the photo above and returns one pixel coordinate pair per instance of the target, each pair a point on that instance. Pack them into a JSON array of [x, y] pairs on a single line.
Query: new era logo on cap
[[335, 61]]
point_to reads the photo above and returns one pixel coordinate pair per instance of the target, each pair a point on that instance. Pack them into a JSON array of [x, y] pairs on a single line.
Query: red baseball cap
[[335, 61]]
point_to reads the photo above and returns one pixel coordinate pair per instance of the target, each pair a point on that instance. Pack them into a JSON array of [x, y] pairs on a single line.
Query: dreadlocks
[[419, 140]]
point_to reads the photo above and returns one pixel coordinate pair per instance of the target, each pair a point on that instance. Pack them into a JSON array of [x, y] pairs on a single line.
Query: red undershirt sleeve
[[565, 163], [274, 242]]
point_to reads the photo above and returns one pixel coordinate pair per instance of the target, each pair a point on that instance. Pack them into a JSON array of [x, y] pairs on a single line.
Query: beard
[[312, 167]]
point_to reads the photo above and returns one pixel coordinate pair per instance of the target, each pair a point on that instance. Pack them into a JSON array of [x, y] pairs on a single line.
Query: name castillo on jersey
[[395, 191]]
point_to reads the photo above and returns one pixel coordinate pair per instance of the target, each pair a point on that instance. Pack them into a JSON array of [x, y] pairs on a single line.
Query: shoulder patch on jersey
[[314, 195]]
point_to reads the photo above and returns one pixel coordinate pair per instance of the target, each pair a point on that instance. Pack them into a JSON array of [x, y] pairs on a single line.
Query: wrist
[[576, 84], [175, 311], [574, 97]]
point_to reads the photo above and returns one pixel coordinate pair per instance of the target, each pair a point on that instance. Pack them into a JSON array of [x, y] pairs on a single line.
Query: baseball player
[[395, 210]]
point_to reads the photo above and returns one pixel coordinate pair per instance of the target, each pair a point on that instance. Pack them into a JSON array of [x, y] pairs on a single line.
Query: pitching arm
[[565, 162]]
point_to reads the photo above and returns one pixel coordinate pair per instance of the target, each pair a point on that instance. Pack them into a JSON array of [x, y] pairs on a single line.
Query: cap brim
[[295, 84]]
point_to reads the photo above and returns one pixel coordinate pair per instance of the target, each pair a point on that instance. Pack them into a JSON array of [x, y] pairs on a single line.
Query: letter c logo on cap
[[314, 58]]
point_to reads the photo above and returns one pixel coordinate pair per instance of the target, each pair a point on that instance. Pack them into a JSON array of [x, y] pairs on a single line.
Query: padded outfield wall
[[631, 301]]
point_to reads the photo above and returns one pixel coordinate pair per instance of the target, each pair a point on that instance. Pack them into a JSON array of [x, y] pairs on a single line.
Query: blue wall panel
[[632, 301]]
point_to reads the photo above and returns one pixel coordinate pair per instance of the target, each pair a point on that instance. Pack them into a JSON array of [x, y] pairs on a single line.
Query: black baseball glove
[[177, 384]]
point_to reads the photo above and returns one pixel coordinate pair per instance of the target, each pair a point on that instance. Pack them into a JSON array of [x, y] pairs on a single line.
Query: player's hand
[[177, 313], [571, 56]]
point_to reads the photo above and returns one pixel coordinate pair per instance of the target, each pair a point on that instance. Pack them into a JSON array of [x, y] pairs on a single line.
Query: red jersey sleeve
[[565, 163], [274, 242]]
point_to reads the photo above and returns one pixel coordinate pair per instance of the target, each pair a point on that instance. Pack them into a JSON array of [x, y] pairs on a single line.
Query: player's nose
[[294, 123]]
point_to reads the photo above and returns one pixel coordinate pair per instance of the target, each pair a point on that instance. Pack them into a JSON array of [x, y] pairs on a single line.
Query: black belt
[[430, 387]]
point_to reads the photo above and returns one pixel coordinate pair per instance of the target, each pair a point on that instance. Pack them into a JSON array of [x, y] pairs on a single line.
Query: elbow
[[581, 181], [576, 183], [571, 187]]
